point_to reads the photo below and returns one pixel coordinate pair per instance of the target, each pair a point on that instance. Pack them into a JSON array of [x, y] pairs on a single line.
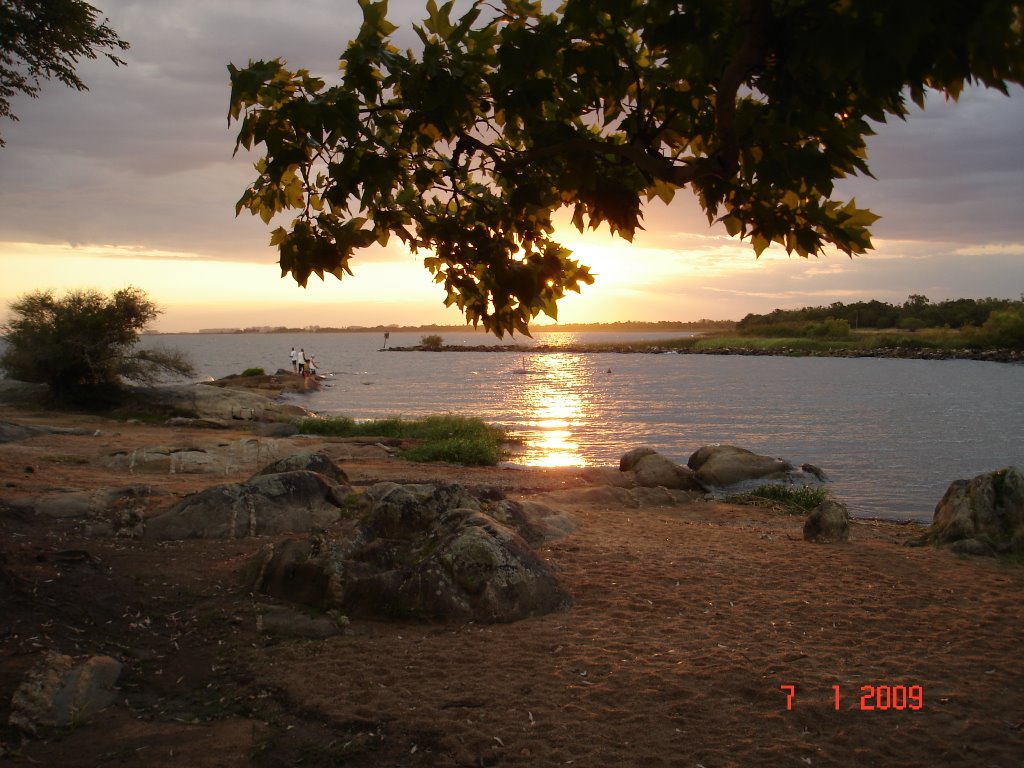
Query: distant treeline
[[915, 313], [634, 326], [627, 326]]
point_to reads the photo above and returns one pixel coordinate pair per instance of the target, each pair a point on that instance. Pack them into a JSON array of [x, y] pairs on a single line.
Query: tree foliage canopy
[[507, 114], [84, 341], [44, 39]]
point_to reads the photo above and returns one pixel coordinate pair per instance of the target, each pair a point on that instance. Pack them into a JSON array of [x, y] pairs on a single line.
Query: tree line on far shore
[[989, 321]]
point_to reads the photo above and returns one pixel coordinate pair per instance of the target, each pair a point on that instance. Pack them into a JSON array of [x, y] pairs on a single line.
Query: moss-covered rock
[[984, 514], [423, 552]]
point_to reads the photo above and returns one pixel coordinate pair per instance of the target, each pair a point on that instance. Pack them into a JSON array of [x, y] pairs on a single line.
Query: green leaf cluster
[[43, 40], [466, 148]]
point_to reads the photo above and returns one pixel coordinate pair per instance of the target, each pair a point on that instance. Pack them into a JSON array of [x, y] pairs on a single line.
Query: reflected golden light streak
[[553, 402]]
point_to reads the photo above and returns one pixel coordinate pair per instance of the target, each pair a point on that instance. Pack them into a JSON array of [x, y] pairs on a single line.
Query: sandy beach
[[699, 634]]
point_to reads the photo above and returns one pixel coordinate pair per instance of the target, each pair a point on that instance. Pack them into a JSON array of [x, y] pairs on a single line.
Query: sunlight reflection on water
[[891, 434], [551, 394]]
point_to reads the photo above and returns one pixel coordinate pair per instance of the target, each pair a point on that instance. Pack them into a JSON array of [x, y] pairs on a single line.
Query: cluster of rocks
[[712, 466], [716, 467], [423, 551]]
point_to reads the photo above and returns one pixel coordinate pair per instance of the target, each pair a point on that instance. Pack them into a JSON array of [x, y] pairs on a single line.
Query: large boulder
[[203, 401], [984, 514], [287, 502], [419, 551], [59, 692], [723, 465], [828, 523], [654, 470]]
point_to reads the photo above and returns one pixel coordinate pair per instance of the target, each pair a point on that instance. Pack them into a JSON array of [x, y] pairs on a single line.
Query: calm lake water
[[890, 434]]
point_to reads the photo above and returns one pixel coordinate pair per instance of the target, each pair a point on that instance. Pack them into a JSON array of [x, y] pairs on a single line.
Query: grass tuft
[[449, 438], [791, 499]]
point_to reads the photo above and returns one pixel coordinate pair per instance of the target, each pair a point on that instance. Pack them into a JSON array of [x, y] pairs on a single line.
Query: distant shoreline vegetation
[[901, 347], [628, 326], [974, 329], [979, 329]]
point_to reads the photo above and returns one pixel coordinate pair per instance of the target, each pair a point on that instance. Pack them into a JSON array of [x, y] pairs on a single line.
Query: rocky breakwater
[[654, 348]]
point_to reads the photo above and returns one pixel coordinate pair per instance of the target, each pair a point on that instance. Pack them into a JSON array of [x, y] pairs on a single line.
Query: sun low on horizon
[[677, 270], [197, 291]]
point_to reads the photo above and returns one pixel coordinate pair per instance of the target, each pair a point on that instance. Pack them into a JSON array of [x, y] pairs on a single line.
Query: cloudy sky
[[134, 183]]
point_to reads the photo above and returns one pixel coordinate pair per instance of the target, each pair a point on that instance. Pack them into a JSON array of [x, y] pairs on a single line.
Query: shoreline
[[891, 353], [689, 622]]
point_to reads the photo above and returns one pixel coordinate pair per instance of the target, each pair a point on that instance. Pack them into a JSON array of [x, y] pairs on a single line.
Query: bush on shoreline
[[448, 438]]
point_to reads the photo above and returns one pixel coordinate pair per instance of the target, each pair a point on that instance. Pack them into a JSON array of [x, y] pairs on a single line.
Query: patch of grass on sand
[[449, 438], [791, 499]]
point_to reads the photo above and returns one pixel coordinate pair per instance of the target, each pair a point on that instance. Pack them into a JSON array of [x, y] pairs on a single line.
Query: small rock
[[828, 523], [58, 693]]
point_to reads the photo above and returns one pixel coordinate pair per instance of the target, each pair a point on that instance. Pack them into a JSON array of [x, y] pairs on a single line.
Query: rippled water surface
[[891, 434]]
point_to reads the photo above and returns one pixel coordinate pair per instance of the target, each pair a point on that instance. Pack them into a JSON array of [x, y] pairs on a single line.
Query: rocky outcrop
[[11, 432], [828, 523], [199, 456], [419, 551], [287, 502], [313, 461], [203, 401], [59, 693], [984, 515], [724, 465]]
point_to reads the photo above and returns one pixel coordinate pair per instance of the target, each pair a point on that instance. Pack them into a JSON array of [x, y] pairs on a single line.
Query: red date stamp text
[[879, 698]]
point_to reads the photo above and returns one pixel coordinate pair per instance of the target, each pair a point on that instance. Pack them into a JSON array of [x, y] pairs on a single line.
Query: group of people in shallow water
[[304, 364]]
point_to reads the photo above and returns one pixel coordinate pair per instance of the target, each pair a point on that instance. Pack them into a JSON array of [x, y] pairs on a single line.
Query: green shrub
[[432, 342], [83, 344], [254, 372], [1004, 328], [480, 451], [830, 329]]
